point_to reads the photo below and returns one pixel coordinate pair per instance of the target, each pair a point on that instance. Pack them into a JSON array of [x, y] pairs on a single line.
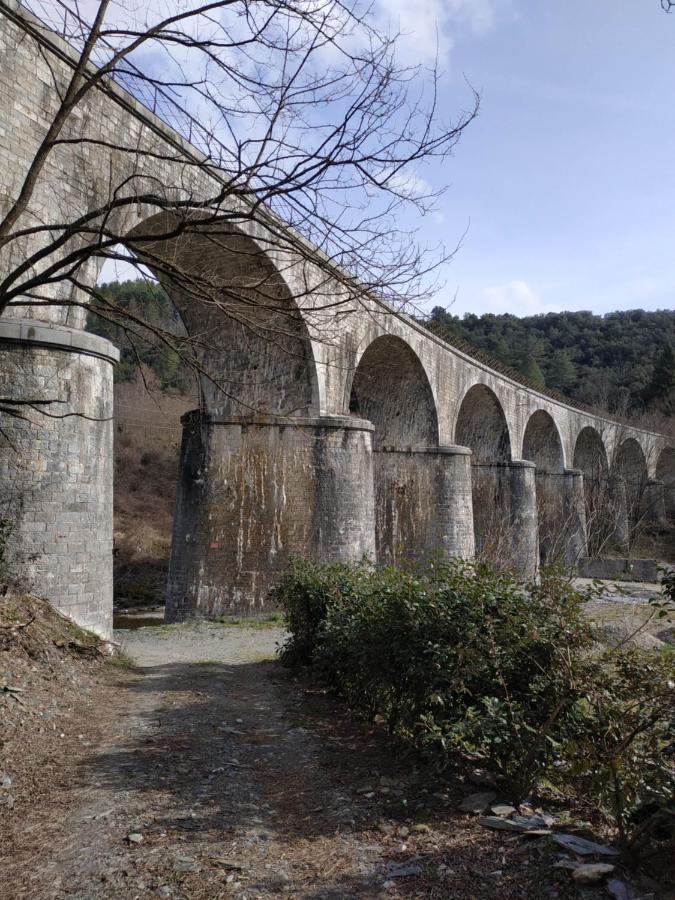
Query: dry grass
[[49, 668], [147, 450]]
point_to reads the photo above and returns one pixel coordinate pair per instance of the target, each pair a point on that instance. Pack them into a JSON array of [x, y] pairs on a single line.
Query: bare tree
[[299, 127]]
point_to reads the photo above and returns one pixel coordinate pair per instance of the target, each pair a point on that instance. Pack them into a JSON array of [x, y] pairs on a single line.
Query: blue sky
[[566, 182]]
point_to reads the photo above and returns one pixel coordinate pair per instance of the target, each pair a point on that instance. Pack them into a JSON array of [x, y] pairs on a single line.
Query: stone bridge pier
[[253, 491], [56, 466]]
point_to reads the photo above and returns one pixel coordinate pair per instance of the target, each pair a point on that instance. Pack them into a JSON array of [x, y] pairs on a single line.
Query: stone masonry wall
[[253, 492], [56, 475]]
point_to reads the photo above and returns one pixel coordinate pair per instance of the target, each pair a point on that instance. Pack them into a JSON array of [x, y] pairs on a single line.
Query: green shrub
[[468, 665], [462, 661], [304, 592], [619, 740]]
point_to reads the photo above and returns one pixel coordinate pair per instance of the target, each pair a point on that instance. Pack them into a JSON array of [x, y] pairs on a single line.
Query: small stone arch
[[590, 454], [391, 389], [542, 445], [665, 472], [481, 425], [243, 323], [590, 458], [630, 465]]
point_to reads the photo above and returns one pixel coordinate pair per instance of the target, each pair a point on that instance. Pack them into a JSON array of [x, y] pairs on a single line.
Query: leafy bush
[[468, 665], [618, 742], [463, 661], [305, 592]]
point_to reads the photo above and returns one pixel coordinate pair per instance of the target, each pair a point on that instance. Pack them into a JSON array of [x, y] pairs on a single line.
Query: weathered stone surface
[[252, 493], [622, 569], [477, 803], [591, 873], [56, 476]]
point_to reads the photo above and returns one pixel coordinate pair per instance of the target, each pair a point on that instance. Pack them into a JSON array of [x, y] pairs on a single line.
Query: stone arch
[[630, 465], [590, 458], [542, 445], [481, 425], [391, 389], [665, 472], [247, 330], [590, 454], [256, 437]]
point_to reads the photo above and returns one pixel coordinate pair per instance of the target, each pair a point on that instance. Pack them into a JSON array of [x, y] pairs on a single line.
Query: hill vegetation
[[622, 362], [147, 302]]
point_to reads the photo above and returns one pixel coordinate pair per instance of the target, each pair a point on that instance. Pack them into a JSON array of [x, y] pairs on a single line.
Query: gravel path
[[200, 785], [211, 772], [200, 642]]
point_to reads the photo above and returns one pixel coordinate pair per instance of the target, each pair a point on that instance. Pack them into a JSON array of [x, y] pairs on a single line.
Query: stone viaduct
[[356, 432]]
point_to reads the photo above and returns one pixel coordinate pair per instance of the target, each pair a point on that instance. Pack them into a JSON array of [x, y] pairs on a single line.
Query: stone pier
[[574, 517], [522, 506], [423, 504], [254, 491], [56, 466]]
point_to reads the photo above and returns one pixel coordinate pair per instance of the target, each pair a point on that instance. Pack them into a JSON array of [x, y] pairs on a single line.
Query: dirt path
[[237, 781], [179, 762]]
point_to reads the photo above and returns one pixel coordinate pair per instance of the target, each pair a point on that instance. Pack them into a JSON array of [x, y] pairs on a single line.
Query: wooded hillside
[[147, 302], [621, 361]]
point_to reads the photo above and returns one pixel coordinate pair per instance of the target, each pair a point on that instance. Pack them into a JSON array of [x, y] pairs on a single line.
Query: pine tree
[[660, 390], [531, 370], [561, 373]]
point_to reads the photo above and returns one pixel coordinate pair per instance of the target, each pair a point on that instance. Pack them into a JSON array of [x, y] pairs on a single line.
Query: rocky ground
[[208, 771], [625, 611]]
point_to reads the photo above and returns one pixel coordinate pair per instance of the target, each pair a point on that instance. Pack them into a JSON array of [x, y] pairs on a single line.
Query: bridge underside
[[255, 489]]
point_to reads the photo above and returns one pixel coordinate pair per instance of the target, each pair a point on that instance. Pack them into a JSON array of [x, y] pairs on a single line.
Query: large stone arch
[[630, 466], [482, 427], [590, 454], [262, 474], [665, 473], [390, 388], [543, 446], [590, 458], [245, 328], [542, 443]]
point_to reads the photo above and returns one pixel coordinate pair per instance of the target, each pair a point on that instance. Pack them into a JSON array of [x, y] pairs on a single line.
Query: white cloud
[[478, 15], [409, 184], [515, 297], [430, 27]]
